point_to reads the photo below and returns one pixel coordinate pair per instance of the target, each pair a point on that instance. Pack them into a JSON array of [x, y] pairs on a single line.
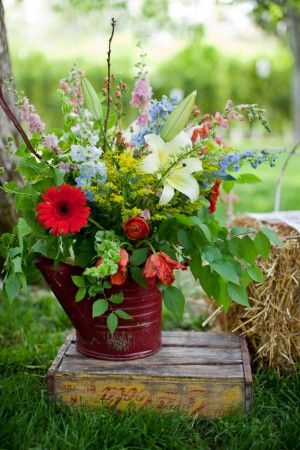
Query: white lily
[[180, 177]]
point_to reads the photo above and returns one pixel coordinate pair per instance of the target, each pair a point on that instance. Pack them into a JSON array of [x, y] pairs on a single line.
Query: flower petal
[[155, 142], [179, 141], [192, 165], [184, 182], [166, 195], [151, 163]]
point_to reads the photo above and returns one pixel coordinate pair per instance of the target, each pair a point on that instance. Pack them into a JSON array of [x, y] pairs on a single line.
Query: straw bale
[[272, 324]]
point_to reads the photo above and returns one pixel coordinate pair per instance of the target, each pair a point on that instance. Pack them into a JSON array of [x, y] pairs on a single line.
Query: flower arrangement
[[131, 203]]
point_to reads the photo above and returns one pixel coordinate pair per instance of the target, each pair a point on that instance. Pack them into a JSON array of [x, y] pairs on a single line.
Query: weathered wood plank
[[168, 356], [179, 371], [206, 398], [200, 339]]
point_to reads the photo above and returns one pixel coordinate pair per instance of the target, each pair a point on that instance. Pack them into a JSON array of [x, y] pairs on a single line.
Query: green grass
[[31, 331]]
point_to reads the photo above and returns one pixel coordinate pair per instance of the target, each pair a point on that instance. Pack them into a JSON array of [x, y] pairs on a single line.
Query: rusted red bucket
[[133, 339]]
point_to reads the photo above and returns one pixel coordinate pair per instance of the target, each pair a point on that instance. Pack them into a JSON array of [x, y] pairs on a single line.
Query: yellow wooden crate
[[204, 374]]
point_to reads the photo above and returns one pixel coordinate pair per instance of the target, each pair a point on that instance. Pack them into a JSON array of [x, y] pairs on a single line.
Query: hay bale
[[272, 324]]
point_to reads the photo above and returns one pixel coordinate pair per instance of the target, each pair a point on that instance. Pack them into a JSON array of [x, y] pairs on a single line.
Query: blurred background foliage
[[226, 49]]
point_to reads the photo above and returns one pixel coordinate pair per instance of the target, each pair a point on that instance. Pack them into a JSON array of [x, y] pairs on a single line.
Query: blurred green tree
[[282, 18]]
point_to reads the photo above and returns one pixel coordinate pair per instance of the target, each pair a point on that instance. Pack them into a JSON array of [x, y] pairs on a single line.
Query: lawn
[[31, 331]]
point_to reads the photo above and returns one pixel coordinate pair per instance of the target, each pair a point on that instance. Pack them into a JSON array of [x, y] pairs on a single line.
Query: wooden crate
[[201, 373]]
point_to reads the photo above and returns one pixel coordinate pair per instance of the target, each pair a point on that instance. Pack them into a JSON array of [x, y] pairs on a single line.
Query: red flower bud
[[136, 228]]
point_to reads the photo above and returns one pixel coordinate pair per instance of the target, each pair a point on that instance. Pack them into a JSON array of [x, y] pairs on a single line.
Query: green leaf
[[81, 293], [91, 99], [204, 228], [178, 118], [40, 247], [59, 175], [256, 274], [196, 264], [106, 284], [211, 254], [245, 279], [225, 269], [228, 186], [137, 276], [123, 314], [249, 178], [17, 264], [174, 301], [95, 290], [262, 244], [238, 294], [12, 286], [23, 229], [138, 256], [117, 298], [32, 169], [183, 238], [243, 248], [99, 307], [272, 236], [184, 220], [239, 231], [78, 281], [112, 322]]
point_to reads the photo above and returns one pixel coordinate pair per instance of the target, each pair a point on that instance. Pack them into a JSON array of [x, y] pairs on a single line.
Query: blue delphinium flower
[[87, 171], [158, 112]]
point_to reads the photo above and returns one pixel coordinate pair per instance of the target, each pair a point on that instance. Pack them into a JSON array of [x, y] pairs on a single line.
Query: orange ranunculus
[[120, 277], [136, 228], [161, 266]]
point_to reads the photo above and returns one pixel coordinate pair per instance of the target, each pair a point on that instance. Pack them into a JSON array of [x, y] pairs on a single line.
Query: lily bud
[[91, 99], [178, 118]]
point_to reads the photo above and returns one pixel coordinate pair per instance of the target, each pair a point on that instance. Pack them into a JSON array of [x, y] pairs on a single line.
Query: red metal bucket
[[133, 339]]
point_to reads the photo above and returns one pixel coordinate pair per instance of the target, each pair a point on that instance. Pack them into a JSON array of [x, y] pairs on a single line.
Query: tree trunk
[[295, 45], [8, 215]]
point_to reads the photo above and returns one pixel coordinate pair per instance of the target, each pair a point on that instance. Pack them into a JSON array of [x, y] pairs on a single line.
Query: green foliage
[[224, 263]]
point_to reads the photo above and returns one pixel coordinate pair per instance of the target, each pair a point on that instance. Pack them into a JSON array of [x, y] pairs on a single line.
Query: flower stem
[[113, 25], [92, 221]]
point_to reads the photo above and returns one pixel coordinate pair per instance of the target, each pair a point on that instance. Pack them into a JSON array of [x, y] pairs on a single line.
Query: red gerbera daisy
[[64, 209]]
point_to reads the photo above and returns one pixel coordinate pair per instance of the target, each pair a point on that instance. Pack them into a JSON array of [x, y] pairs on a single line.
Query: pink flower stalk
[[28, 115], [221, 120], [141, 94], [233, 115], [51, 141], [65, 87], [219, 140], [142, 119]]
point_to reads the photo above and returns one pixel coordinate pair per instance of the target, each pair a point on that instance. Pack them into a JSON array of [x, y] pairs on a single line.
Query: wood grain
[[200, 373]]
